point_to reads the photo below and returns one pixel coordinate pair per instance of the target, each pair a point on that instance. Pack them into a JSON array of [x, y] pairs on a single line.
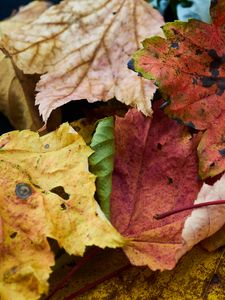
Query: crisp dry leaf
[[189, 68], [56, 199], [25, 256], [215, 241], [17, 95], [25, 15], [102, 161], [84, 47], [155, 171]]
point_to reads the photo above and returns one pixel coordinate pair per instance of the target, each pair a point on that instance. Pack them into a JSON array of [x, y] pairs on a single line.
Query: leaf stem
[[175, 211], [78, 266], [93, 284]]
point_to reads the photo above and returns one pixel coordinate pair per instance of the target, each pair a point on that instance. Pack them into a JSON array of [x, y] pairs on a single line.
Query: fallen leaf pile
[[123, 174]]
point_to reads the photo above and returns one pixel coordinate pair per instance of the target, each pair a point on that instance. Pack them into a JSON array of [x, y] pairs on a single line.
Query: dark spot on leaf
[[59, 190], [114, 13], [222, 152], [139, 74], [46, 146], [215, 72], [23, 190], [194, 81], [130, 64], [170, 180], [212, 165], [198, 52], [215, 279], [13, 235], [63, 206], [159, 146], [174, 45], [216, 62], [208, 81]]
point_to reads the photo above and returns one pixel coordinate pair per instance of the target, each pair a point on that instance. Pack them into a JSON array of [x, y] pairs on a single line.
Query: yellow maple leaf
[[84, 47], [46, 190]]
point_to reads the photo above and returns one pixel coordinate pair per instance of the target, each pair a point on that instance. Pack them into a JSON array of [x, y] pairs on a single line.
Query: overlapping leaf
[[102, 161], [84, 47], [189, 68], [155, 171], [16, 89], [46, 191]]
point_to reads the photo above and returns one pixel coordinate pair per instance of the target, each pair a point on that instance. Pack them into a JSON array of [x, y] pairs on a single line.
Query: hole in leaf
[[13, 235], [170, 180], [63, 206], [215, 279], [59, 190], [159, 146]]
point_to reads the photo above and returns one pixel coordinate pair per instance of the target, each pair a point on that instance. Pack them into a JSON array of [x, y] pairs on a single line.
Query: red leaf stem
[[198, 205]]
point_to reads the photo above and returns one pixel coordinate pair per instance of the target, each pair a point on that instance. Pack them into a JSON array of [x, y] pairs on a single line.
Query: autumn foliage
[[103, 179]]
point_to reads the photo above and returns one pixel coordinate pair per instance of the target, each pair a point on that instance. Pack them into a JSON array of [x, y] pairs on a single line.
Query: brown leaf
[[16, 89], [84, 46], [17, 96]]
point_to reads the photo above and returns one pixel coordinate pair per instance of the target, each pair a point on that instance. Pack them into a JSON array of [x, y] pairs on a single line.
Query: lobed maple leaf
[[156, 171], [46, 190], [189, 68], [84, 47]]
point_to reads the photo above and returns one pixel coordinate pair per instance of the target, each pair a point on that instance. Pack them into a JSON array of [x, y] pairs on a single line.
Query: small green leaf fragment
[[101, 162]]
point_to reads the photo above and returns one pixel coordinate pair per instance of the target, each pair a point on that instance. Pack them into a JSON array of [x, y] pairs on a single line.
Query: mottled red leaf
[[155, 171], [189, 68]]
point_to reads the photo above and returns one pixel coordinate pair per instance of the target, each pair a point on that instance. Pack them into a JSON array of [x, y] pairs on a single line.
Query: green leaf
[[101, 162]]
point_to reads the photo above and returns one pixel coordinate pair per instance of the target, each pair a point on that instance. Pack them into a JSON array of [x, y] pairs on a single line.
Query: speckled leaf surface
[[82, 48], [199, 275], [189, 68], [155, 171], [46, 191]]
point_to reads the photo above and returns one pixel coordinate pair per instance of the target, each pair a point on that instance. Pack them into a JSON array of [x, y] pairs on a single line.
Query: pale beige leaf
[[204, 222], [25, 15], [84, 47]]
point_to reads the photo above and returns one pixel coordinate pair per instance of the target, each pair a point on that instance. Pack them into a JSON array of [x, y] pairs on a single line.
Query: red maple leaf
[[189, 68], [155, 171]]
